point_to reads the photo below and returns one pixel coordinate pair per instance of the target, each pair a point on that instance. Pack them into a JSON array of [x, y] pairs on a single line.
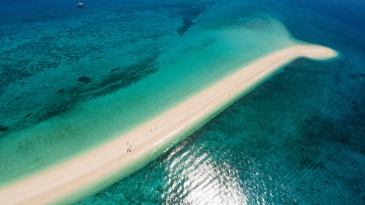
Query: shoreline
[[89, 172]]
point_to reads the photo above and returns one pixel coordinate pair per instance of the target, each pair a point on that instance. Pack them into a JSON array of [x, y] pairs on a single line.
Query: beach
[[95, 168]]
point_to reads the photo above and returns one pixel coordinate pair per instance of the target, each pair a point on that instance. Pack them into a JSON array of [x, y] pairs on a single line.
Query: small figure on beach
[[130, 148]]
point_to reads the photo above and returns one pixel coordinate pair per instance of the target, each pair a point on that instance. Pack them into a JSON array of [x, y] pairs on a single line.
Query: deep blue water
[[298, 138]]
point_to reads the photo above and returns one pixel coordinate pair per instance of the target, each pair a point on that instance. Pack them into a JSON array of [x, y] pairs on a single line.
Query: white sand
[[112, 158]]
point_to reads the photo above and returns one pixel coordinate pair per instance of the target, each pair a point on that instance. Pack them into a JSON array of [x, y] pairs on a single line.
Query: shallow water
[[297, 138], [60, 104]]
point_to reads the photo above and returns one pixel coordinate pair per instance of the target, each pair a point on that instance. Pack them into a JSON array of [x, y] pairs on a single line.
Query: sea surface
[[74, 78]]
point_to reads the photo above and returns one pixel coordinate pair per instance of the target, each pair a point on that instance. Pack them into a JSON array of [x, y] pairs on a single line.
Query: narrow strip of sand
[[99, 164]]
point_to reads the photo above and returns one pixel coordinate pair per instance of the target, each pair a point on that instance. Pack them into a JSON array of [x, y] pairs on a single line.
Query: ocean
[[74, 78]]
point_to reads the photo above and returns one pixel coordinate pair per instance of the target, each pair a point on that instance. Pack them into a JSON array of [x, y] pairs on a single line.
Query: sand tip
[[322, 53]]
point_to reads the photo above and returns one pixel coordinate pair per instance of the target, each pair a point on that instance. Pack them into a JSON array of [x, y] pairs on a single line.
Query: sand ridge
[[109, 159]]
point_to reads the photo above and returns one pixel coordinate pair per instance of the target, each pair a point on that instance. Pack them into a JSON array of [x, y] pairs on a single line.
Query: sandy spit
[[112, 158]]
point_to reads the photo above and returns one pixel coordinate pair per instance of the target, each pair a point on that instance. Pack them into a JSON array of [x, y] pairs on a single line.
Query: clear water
[[94, 93], [297, 138]]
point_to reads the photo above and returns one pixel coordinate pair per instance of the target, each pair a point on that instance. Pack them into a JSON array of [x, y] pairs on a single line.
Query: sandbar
[[97, 167]]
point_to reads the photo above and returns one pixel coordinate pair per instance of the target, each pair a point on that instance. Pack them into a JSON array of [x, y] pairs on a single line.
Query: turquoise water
[[74, 78], [102, 89]]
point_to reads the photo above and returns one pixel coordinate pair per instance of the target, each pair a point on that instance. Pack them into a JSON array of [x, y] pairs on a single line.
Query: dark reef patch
[[115, 69], [61, 91], [3, 128], [28, 115], [189, 13], [84, 80], [187, 23]]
